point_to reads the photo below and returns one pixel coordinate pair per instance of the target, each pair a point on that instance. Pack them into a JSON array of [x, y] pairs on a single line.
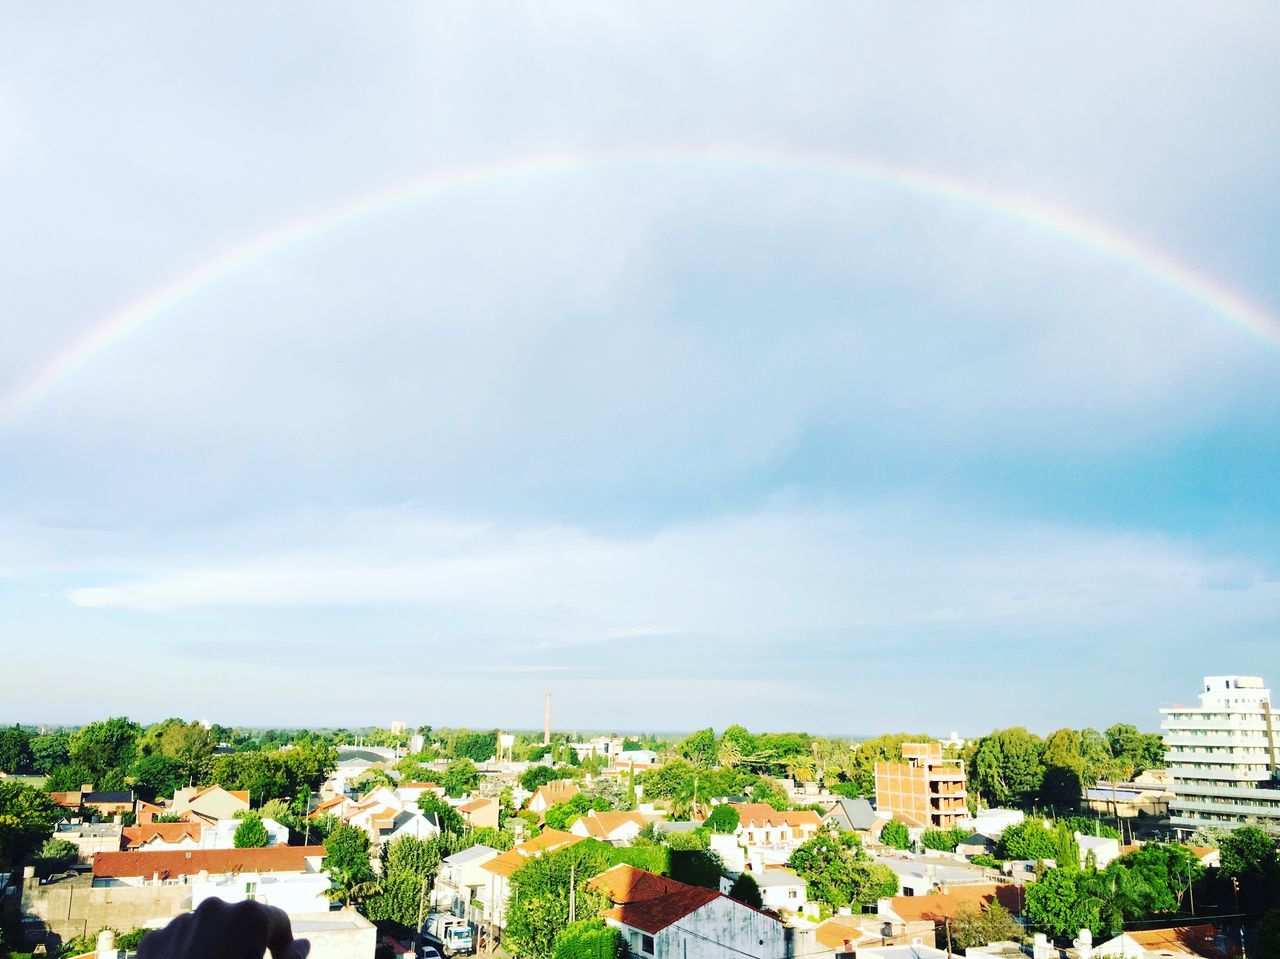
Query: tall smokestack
[[546, 731]]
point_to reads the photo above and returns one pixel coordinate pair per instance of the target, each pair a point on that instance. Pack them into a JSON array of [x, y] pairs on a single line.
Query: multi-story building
[[924, 790], [1222, 756]]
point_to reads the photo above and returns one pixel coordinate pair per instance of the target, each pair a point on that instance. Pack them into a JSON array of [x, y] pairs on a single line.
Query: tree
[[536, 776], [1158, 877], [746, 891], [589, 939], [562, 815], [886, 748], [973, 926], [105, 747], [1095, 755], [1061, 788], [1057, 904], [1248, 851], [409, 866], [1009, 767], [27, 818], [157, 775], [540, 897], [1268, 935], [15, 749], [50, 751], [826, 863], [251, 833], [450, 819], [347, 859], [723, 819], [478, 747], [1028, 839], [58, 854], [699, 748], [943, 840], [896, 834], [460, 777]]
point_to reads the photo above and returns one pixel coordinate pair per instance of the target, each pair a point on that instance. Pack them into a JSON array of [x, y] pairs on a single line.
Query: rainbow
[[1103, 239]]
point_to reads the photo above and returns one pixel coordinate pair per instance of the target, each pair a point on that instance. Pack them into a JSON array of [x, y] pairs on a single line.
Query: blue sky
[[685, 444]]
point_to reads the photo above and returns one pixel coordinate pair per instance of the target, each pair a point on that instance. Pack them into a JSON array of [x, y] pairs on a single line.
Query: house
[[384, 824], [412, 792], [913, 950], [1101, 848], [548, 794], [845, 935], [90, 838], [976, 844], [854, 815], [760, 823], [782, 889], [291, 877], [665, 919], [87, 801], [764, 836], [615, 828], [501, 868], [919, 877], [209, 803], [992, 822], [943, 905], [1203, 941], [462, 880], [480, 813], [162, 836], [339, 806]]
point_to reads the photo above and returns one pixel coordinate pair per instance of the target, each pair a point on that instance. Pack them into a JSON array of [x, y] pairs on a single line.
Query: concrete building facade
[[924, 790], [1222, 756]]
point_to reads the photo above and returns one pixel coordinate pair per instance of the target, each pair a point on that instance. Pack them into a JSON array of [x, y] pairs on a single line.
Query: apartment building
[[924, 790], [1222, 756]]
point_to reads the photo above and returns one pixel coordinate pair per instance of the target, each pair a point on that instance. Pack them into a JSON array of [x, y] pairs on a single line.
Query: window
[[646, 944], [251, 891]]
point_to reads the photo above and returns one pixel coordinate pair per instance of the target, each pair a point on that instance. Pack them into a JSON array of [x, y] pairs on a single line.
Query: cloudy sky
[[700, 363]]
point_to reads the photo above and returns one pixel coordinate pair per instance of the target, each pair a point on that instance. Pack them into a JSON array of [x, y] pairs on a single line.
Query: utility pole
[[948, 924], [422, 902], [573, 891]]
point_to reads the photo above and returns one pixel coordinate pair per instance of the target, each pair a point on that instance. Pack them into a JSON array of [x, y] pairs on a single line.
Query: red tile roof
[[513, 859], [136, 836], [758, 814], [1192, 940], [173, 863], [943, 904], [556, 791], [646, 901], [601, 825], [476, 805]]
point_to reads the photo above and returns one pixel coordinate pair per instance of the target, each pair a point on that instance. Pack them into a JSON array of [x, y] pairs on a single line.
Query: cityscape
[[570, 479]]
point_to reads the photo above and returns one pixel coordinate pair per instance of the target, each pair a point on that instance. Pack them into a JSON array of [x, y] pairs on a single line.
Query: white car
[[431, 952]]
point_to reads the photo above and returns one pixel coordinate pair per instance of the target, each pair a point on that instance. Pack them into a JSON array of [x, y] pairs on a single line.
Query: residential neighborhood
[[893, 845]]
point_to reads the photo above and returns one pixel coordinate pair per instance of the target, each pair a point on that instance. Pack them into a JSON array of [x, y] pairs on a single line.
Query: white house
[[781, 889], [992, 822], [1101, 848], [615, 828], [501, 868], [764, 837], [463, 880], [665, 919]]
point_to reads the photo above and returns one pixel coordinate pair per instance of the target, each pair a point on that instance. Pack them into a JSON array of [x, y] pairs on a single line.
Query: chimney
[[546, 731]]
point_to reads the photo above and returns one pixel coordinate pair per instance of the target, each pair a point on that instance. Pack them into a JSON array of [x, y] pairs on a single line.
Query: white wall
[[722, 929], [292, 892]]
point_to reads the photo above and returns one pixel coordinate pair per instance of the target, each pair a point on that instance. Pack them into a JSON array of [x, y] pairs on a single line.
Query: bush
[[589, 939], [896, 834], [943, 840], [982, 859], [251, 833]]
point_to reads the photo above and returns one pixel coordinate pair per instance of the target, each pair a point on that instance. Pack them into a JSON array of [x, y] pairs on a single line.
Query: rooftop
[[646, 901]]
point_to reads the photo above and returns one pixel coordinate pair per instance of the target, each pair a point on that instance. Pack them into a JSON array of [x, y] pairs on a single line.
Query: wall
[[73, 907], [722, 929]]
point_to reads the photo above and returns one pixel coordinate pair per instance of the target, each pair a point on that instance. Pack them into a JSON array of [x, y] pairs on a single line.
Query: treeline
[[118, 754]]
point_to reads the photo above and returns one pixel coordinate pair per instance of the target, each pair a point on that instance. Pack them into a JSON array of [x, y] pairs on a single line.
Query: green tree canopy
[[450, 819], [347, 860], [460, 777], [699, 748], [1028, 839], [15, 749], [251, 833], [50, 751], [106, 748], [539, 908], [536, 776], [746, 891], [896, 834], [58, 854], [724, 819], [27, 819], [973, 926], [1009, 767], [589, 939], [839, 873]]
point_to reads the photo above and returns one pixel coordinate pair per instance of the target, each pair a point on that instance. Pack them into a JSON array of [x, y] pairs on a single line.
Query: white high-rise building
[[1222, 756]]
